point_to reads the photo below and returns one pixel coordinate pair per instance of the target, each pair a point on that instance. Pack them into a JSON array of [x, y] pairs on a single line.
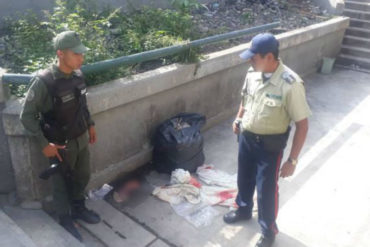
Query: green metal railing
[[147, 55]]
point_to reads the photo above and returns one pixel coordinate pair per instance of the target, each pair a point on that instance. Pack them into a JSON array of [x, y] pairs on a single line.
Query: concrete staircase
[[32, 228], [35, 228], [355, 53], [11, 234]]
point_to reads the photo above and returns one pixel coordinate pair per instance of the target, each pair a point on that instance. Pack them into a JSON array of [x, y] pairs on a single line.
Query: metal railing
[[147, 55]]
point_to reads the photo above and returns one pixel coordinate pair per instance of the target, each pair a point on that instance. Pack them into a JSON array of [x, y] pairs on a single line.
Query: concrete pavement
[[326, 203]]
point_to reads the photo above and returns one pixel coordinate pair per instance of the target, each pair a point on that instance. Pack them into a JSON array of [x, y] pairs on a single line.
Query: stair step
[[357, 14], [349, 60], [116, 229], [356, 41], [159, 243], [359, 23], [356, 51], [11, 234], [358, 32], [354, 5], [359, 1], [41, 228], [355, 68]]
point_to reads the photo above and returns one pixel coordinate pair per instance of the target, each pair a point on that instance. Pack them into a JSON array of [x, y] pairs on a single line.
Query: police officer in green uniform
[[272, 97], [55, 112]]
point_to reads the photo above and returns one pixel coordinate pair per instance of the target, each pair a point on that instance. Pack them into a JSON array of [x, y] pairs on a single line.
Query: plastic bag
[[100, 193], [199, 215], [212, 176], [222, 196], [178, 143], [178, 193], [180, 176]]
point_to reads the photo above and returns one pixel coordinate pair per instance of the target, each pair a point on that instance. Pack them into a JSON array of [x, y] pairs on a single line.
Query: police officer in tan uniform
[[273, 96]]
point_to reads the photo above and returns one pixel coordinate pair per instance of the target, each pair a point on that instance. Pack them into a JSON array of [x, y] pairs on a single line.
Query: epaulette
[[287, 77]]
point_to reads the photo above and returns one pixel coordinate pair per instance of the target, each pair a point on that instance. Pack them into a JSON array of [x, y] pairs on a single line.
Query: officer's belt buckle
[[257, 138]]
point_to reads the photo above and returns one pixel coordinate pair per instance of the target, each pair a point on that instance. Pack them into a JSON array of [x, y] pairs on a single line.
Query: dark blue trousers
[[257, 167]]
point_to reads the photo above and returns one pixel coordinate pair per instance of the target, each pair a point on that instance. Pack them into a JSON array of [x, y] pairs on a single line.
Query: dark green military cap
[[69, 40]]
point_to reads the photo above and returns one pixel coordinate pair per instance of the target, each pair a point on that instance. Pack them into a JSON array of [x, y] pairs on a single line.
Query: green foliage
[[109, 33], [186, 6], [247, 17]]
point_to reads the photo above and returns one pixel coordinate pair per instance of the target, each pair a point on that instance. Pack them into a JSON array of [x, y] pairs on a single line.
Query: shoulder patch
[[287, 77]]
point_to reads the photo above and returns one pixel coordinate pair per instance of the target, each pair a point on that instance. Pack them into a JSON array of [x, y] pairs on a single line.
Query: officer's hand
[[92, 135], [236, 129], [287, 170], [51, 151]]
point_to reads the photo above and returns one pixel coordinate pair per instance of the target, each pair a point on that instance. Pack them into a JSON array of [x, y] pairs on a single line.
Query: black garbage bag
[[178, 143]]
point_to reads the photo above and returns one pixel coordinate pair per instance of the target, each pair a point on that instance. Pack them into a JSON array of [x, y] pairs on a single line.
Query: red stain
[[225, 195], [194, 182]]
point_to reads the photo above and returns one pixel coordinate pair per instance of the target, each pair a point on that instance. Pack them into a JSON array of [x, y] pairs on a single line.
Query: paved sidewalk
[[326, 203]]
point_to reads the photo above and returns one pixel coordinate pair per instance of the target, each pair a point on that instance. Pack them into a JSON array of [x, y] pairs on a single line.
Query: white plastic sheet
[[100, 193], [194, 201], [180, 176], [199, 215], [215, 195], [211, 176], [178, 193]]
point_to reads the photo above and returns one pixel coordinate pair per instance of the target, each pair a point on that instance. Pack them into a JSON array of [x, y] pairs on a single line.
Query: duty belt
[[253, 136], [272, 142]]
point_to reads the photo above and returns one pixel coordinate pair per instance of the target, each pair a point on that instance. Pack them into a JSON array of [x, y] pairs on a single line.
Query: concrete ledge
[[128, 110], [7, 183], [305, 34]]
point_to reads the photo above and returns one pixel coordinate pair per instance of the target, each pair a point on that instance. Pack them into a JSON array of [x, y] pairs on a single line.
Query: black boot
[[265, 241], [67, 223], [79, 211], [237, 215]]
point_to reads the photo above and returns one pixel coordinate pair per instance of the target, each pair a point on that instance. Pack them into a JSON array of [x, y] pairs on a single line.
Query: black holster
[[56, 167], [271, 143]]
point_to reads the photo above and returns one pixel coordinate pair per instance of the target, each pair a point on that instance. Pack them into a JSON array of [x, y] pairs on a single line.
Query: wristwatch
[[293, 161]]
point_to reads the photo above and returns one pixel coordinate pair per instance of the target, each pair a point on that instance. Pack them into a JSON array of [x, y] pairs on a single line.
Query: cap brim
[[79, 49], [246, 55]]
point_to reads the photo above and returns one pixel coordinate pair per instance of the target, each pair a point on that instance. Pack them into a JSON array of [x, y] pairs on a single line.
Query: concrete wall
[[6, 171], [127, 110]]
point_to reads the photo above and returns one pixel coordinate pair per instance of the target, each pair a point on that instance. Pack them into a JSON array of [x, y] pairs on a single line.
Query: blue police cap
[[261, 44]]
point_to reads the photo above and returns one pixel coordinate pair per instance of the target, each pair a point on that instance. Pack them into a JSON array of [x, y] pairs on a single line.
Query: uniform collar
[[58, 74], [274, 80]]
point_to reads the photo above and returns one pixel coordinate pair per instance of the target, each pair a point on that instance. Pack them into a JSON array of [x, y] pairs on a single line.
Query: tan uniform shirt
[[270, 106]]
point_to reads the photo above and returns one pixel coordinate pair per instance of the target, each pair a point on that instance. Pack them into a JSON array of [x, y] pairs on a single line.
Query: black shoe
[[67, 223], [237, 215], [79, 211], [265, 241]]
